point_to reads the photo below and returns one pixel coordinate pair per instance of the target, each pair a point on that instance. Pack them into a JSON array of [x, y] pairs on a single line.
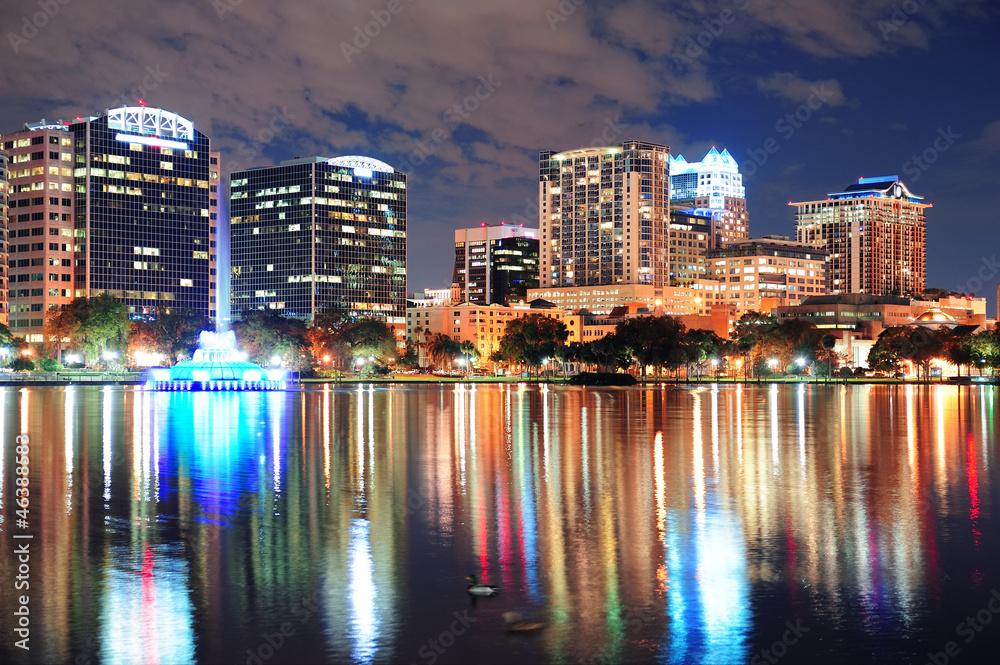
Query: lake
[[758, 523]]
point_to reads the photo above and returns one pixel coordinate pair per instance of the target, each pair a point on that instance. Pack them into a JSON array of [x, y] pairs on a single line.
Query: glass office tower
[[122, 203], [318, 233]]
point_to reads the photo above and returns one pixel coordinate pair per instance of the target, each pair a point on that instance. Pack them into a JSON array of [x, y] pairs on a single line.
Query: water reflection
[[644, 524]]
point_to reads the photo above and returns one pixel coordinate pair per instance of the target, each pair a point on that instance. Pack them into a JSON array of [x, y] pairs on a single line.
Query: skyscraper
[[603, 215], [874, 232], [120, 203], [494, 264], [317, 233], [712, 186], [3, 239]]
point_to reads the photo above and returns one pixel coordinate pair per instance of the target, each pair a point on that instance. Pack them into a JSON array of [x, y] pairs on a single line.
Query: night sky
[[268, 81]]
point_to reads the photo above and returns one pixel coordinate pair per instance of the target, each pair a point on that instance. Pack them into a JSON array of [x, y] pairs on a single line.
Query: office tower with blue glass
[[123, 202], [319, 233]]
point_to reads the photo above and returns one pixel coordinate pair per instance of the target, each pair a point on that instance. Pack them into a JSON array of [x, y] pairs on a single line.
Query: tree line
[[101, 332]]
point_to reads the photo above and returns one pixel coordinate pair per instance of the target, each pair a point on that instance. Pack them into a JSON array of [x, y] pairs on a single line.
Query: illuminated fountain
[[216, 365]]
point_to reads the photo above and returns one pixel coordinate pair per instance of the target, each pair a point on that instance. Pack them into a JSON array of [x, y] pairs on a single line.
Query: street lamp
[[772, 363]]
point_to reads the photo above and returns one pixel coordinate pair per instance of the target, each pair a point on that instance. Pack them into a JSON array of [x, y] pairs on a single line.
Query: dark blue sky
[[269, 81]]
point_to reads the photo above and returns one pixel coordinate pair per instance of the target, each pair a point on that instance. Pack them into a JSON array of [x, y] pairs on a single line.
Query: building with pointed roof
[[874, 232], [712, 187]]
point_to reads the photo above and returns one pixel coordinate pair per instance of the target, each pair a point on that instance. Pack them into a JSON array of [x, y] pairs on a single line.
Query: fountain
[[216, 365]]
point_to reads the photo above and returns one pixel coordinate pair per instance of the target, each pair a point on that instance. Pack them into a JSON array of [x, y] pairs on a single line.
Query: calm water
[[684, 525]]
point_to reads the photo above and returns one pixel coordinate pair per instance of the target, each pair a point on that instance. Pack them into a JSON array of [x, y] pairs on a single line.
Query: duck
[[477, 589], [514, 622]]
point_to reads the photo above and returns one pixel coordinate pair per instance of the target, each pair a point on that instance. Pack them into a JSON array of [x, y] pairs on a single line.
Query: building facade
[[494, 264], [696, 298], [121, 203], [3, 240], [603, 216], [484, 325], [317, 233], [712, 186], [874, 232], [691, 236], [761, 274]]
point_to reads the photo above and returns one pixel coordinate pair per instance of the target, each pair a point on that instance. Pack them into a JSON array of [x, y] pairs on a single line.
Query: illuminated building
[[874, 232], [712, 186], [691, 236], [603, 216], [429, 298], [120, 203], [494, 264], [3, 239], [317, 233], [696, 298], [760, 274]]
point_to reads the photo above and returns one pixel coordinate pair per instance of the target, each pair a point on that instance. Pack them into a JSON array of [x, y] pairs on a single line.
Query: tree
[[700, 345], [265, 334], [94, 325], [441, 349], [531, 339], [370, 338], [828, 341], [649, 340], [467, 350], [178, 331]]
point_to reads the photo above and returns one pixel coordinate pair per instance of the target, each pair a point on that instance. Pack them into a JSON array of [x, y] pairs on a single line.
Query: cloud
[[797, 89], [354, 79]]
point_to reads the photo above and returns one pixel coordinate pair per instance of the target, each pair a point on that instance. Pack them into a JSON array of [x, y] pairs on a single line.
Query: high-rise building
[[874, 232], [3, 239], [691, 236], [317, 233], [762, 273], [494, 264], [712, 186], [603, 215], [120, 203]]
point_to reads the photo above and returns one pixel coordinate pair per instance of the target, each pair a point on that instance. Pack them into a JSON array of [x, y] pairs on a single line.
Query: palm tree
[[441, 349], [468, 351]]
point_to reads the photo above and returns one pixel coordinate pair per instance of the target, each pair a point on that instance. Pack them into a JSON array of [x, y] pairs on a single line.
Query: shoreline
[[135, 378]]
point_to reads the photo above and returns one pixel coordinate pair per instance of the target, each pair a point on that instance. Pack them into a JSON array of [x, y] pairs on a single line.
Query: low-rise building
[[696, 298], [760, 274]]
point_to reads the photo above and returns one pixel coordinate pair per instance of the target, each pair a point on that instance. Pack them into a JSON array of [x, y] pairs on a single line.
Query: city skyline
[[463, 105]]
